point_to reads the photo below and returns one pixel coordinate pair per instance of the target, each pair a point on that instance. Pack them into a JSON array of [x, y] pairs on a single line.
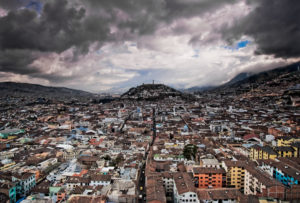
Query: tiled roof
[[184, 183]]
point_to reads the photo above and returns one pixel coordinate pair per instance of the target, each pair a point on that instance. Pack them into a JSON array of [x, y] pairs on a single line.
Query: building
[[97, 180], [168, 183], [286, 151], [258, 152], [87, 198], [286, 141], [284, 172], [49, 162], [235, 173], [25, 182], [184, 189], [155, 190], [259, 183], [72, 182], [209, 177], [209, 162], [220, 195], [9, 190]]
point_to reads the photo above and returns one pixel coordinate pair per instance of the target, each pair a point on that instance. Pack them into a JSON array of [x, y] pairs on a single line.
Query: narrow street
[[142, 180], [141, 185]]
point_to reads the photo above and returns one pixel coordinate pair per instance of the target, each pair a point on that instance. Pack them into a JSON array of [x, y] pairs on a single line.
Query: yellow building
[[269, 200], [286, 141], [235, 173], [235, 177], [287, 151], [258, 152], [296, 147], [6, 166], [288, 147]]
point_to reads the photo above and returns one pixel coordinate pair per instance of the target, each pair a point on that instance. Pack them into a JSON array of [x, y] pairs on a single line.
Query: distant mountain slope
[[239, 77], [266, 75], [267, 78], [34, 90], [151, 91], [198, 89], [247, 78]]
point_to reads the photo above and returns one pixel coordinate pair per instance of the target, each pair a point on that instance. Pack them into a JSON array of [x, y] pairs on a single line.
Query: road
[[142, 180], [142, 185]]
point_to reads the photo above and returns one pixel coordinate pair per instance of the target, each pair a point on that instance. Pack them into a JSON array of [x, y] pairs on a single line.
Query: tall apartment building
[[209, 177], [235, 173]]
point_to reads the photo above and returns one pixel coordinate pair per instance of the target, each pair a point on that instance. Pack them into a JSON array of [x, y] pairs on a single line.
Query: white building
[[24, 183], [184, 189], [97, 180], [43, 165]]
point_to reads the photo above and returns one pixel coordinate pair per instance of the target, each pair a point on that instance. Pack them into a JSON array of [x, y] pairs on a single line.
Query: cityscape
[[149, 101]]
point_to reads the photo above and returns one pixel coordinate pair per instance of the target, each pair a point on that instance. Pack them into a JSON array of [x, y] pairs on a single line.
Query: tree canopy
[[190, 151]]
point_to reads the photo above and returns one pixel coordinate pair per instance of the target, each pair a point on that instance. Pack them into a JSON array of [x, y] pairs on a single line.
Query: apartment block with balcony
[[261, 184], [209, 177]]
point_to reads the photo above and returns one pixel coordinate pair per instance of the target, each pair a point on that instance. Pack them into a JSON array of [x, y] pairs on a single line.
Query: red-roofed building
[[96, 142]]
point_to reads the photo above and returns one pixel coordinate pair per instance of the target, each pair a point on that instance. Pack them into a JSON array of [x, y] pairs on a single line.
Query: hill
[[282, 84], [237, 78], [244, 82], [13, 89], [265, 76], [151, 92], [199, 89]]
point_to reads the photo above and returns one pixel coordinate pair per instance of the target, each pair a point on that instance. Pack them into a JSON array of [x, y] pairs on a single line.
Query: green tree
[[107, 158], [115, 162], [190, 151]]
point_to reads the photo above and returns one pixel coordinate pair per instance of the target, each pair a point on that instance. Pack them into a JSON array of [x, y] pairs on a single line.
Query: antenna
[[153, 80]]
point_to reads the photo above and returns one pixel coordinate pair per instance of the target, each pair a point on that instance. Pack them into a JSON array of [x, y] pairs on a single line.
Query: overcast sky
[[112, 45]]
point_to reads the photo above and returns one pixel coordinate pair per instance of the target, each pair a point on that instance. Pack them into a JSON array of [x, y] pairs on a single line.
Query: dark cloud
[[57, 29], [16, 61], [10, 4], [64, 24], [19, 61], [274, 25], [145, 15]]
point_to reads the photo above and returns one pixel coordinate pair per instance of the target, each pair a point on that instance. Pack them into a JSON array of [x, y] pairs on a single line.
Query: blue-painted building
[[9, 189], [282, 170], [284, 178]]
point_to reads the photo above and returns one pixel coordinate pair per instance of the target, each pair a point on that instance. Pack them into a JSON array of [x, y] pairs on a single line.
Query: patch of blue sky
[[35, 5], [242, 44], [239, 45], [98, 51], [196, 53]]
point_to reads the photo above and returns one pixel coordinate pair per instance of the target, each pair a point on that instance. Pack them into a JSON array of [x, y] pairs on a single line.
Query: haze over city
[[112, 45]]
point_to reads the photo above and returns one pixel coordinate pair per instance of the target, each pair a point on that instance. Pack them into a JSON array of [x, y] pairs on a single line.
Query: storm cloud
[[64, 24], [63, 41], [56, 30], [274, 25]]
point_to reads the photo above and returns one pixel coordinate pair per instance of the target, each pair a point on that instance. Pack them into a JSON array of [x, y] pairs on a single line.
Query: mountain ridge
[[29, 89]]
